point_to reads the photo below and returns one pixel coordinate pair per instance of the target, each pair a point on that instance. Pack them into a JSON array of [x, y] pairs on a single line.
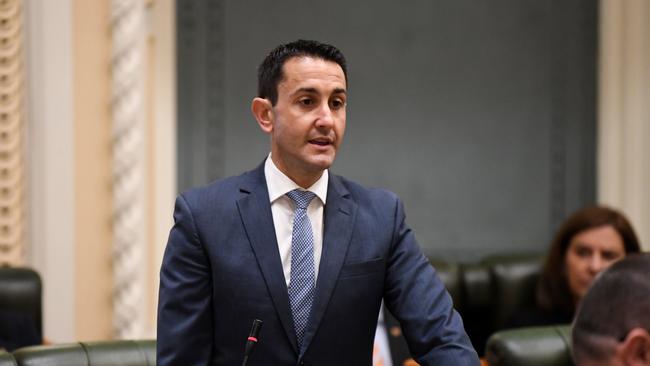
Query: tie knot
[[301, 198]]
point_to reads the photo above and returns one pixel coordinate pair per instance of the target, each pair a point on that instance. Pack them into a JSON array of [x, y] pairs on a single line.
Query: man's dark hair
[[616, 303], [269, 73]]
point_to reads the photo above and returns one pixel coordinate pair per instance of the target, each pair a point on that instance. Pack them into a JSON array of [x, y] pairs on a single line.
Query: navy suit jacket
[[222, 269]]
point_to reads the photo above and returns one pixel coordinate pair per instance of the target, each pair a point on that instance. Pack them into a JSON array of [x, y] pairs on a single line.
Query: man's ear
[[636, 348], [263, 112]]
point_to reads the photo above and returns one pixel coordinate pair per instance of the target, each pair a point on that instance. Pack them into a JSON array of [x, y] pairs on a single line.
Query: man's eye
[[306, 101], [337, 103]]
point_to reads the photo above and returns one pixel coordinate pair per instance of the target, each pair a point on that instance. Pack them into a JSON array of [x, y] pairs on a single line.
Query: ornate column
[[11, 134], [129, 168]]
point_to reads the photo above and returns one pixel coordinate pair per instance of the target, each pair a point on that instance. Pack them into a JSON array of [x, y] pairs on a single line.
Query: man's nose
[[325, 116]]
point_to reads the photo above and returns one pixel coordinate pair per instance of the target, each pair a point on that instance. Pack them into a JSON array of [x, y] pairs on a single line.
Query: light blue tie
[[302, 280]]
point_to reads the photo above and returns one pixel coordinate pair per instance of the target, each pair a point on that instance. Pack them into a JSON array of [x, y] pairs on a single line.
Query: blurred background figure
[[588, 242], [612, 323]]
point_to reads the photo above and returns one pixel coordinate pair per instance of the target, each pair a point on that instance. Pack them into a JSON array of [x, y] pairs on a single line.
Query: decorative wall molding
[[129, 168], [12, 182], [572, 134], [624, 111], [214, 59], [200, 70]]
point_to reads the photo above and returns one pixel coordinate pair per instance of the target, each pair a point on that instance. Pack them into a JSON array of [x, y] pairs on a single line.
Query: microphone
[[252, 339]]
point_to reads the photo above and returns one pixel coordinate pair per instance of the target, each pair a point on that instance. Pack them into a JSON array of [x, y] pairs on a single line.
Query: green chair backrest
[[6, 359], [499, 286], [21, 291], [103, 353]]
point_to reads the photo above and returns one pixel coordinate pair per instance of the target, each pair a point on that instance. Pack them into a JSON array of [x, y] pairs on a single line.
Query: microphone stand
[[252, 339]]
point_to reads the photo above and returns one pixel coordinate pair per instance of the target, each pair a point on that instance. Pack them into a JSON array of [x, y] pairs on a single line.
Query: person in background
[[612, 324], [589, 241]]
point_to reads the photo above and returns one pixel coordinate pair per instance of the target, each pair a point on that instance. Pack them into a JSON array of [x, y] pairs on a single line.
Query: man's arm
[[417, 297], [185, 314]]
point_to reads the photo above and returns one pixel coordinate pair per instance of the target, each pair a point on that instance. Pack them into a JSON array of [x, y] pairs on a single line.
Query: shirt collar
[[279, 184]]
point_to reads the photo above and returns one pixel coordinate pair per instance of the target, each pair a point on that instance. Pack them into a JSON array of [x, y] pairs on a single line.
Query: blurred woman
[[589, 241]]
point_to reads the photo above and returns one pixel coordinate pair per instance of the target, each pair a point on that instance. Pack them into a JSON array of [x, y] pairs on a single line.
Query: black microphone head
[[255, 329]]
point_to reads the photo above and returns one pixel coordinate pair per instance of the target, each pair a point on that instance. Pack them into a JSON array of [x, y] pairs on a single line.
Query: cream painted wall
[[94, 164], [93, 169], [50, 154], [70, 160], [162, 131], [624, 111]]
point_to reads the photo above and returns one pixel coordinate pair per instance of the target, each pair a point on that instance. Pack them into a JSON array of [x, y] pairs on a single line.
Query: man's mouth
[[320, 142]]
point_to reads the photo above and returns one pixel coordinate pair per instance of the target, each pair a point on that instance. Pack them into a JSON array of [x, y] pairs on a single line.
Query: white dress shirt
[[283, 209], [381, 351]]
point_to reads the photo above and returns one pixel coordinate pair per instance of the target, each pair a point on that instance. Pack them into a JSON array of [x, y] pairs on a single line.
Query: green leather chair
[[532, 346], [6, 359], [488, 292], [485, 293], [103, 353], [20, 291]]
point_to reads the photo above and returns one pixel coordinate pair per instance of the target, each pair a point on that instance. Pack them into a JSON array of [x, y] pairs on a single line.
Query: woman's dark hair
[[553, 294], [269, 73]]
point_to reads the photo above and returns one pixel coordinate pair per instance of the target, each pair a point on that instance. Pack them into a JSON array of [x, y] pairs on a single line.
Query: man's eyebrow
[[304, 90], [314, 91]]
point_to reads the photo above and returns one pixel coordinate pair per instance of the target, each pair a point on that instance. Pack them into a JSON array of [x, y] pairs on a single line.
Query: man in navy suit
[[236, 246]]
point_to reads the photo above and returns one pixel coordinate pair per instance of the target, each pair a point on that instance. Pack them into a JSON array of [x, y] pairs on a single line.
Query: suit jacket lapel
[[338, 218], [255, 211]]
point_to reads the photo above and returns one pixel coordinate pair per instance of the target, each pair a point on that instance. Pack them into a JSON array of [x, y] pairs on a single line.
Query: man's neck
[[304, 180]]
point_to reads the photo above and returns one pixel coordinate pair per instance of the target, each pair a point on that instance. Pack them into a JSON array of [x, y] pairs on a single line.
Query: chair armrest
[[530, 346]]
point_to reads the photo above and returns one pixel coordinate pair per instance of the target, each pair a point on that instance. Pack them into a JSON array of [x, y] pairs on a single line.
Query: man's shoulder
[[362, 192], [229, 188]]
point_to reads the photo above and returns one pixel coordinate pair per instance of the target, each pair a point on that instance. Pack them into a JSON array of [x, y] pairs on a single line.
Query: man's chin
[[322, 163]]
